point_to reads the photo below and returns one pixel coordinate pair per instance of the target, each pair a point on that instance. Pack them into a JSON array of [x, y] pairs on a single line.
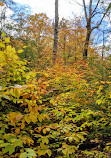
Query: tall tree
[[55, 32], [93, 11]]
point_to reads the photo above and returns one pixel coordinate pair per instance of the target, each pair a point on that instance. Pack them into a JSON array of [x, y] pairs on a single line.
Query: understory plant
[[56, 112]]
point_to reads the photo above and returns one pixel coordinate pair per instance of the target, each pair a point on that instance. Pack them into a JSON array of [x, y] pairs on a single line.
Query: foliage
[[60, 111], [38, 39]]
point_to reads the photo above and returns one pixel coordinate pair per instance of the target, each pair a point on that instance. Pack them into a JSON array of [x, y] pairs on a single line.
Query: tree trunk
[[55, 32], [86, 44]]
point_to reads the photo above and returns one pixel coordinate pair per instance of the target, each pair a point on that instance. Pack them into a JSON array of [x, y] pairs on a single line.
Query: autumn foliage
[[49, 111]]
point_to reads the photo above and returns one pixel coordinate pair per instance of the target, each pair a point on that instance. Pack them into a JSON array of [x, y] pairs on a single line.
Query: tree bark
[[85, 52], [55, 32], [89, 14]]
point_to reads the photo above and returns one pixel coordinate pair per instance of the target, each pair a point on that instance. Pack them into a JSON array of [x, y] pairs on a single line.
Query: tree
[[55, 31], [10, 14], [93, 11], [71, 39], [38, 39]]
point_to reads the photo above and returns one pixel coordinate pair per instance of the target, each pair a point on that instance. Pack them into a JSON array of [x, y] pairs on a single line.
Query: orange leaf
[[17, 130], [18, 117], [23, 104], [23, 124], [26, 96], [39, 129], [2, 4], [33, 98]]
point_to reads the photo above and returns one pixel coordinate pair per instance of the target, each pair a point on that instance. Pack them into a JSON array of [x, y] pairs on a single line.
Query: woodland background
[[55, 101]]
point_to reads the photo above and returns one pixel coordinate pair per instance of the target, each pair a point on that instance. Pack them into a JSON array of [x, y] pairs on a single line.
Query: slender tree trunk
[[85, 52], [90, 13], [55, 32], [64, 49], [103, 48]]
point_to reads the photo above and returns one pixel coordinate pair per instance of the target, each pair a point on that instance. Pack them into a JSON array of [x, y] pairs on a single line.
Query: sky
[[67, 8]]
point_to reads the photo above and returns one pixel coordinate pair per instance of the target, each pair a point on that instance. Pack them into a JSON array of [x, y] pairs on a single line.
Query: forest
[[55, 82]]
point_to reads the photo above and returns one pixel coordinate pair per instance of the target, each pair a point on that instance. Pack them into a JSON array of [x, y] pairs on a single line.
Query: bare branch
[[85, 10], [99, 22], [90, 9], [96, 7]]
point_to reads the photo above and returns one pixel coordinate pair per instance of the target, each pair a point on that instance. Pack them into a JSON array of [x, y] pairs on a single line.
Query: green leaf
[[6, 97], [18, 143], [31, 152], [4, 144], [7, 148], [1, 142], [23, 155], [11, 150]]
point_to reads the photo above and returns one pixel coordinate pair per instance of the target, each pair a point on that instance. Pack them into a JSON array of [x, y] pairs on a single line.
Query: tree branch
[[90, 9], [99, 22], [96, 7], [85, 10]]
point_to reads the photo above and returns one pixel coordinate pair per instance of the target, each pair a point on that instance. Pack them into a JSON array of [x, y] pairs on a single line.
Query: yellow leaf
[[7, 40], [14, 117], [96, 82], [40, 101], [48, 129], [108, 82], [75, 137], [18, 117], [9, 48], [49, 152], [44, 131], [41, 152], [23, 124], [40, 118], [100, 88], [20, 51], [24, 46], [33, 118], [3, 34], [27, 119], [99, 101], [17, 92], [2, 45], [80, 136]]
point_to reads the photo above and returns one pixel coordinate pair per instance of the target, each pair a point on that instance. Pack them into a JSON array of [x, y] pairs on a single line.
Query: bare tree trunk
[[55, 32], [90, 12], [64, 49], [103, 48], [85, 52]]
